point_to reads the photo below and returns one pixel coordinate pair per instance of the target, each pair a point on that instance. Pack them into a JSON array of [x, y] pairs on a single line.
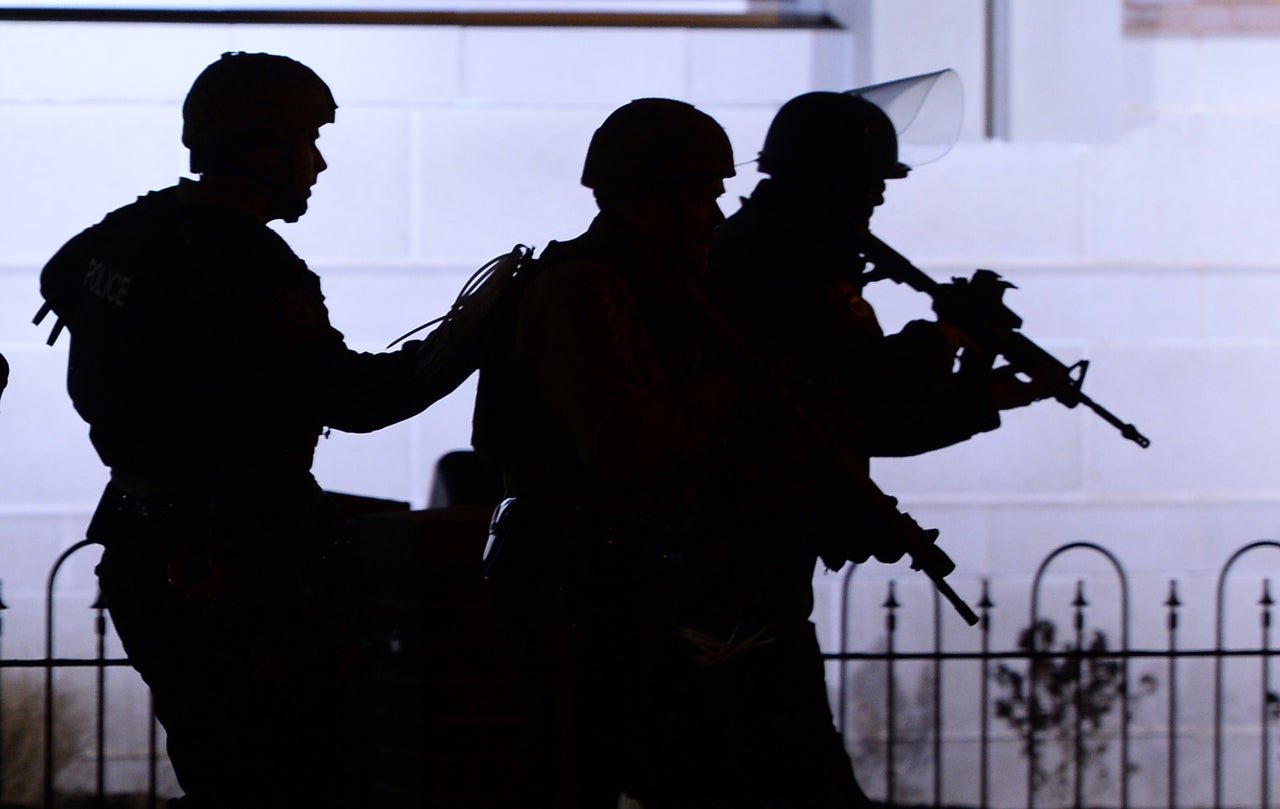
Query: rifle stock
[[974, 306]]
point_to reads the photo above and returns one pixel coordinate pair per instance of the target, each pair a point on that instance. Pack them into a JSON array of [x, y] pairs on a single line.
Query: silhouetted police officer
[[204, 362], [787, 271], [601, 413]]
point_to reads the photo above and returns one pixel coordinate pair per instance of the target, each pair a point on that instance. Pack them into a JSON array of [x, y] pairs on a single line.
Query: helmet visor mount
[[926, 110]]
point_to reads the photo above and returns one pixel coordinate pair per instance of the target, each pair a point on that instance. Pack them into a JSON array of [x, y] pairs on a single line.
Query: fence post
[[1078, 604], [100, 628], [937, 699], [1173, 603], [891, 625], [3, 607], [985, 604], [1266, 603]]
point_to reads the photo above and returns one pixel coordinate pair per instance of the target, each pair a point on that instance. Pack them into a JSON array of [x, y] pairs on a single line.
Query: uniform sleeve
[[590, 359], [801, 307], [915, 401], [360, 391], [889, 396]]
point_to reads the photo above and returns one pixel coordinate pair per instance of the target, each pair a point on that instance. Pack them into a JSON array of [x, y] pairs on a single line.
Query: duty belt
[[641, 538]]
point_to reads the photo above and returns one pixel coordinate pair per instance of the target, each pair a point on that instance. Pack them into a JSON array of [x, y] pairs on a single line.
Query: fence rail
[[1064, 705]]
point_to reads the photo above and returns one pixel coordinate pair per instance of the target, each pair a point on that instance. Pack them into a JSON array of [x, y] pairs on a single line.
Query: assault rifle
[[975, 306]]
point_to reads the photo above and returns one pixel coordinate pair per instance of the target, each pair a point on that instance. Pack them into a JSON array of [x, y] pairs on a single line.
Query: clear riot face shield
[[926, 110]]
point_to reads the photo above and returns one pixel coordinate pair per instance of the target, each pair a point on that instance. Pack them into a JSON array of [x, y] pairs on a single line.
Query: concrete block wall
[[452, 144], [1146, 252], [1140, 239]]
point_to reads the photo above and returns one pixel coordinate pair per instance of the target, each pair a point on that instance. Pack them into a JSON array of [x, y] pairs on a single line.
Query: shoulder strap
[[57, 323]]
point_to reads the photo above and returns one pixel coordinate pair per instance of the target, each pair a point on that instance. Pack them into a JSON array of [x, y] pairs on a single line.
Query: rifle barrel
[[1127, 430], [966, 612]]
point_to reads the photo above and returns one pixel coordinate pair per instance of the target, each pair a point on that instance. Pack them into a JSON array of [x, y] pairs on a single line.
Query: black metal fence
[[1047, 720], [1062, 707], [99, 664]]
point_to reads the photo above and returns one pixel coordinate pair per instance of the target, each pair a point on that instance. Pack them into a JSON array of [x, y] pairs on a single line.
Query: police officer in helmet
[[203, 360], [832, 148], [787, 271], [661, 165], [255, 118], [601, 412]]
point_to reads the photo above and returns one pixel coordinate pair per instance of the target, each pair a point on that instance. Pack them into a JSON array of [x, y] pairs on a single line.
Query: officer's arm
[[359, 391], [915, 401]]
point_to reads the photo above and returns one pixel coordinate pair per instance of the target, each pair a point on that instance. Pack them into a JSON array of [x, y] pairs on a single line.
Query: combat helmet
[[650, 143], [249, 98], [826, 134]]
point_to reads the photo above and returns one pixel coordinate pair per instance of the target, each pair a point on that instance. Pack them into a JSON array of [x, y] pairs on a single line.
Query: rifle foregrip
[[926, 555]]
